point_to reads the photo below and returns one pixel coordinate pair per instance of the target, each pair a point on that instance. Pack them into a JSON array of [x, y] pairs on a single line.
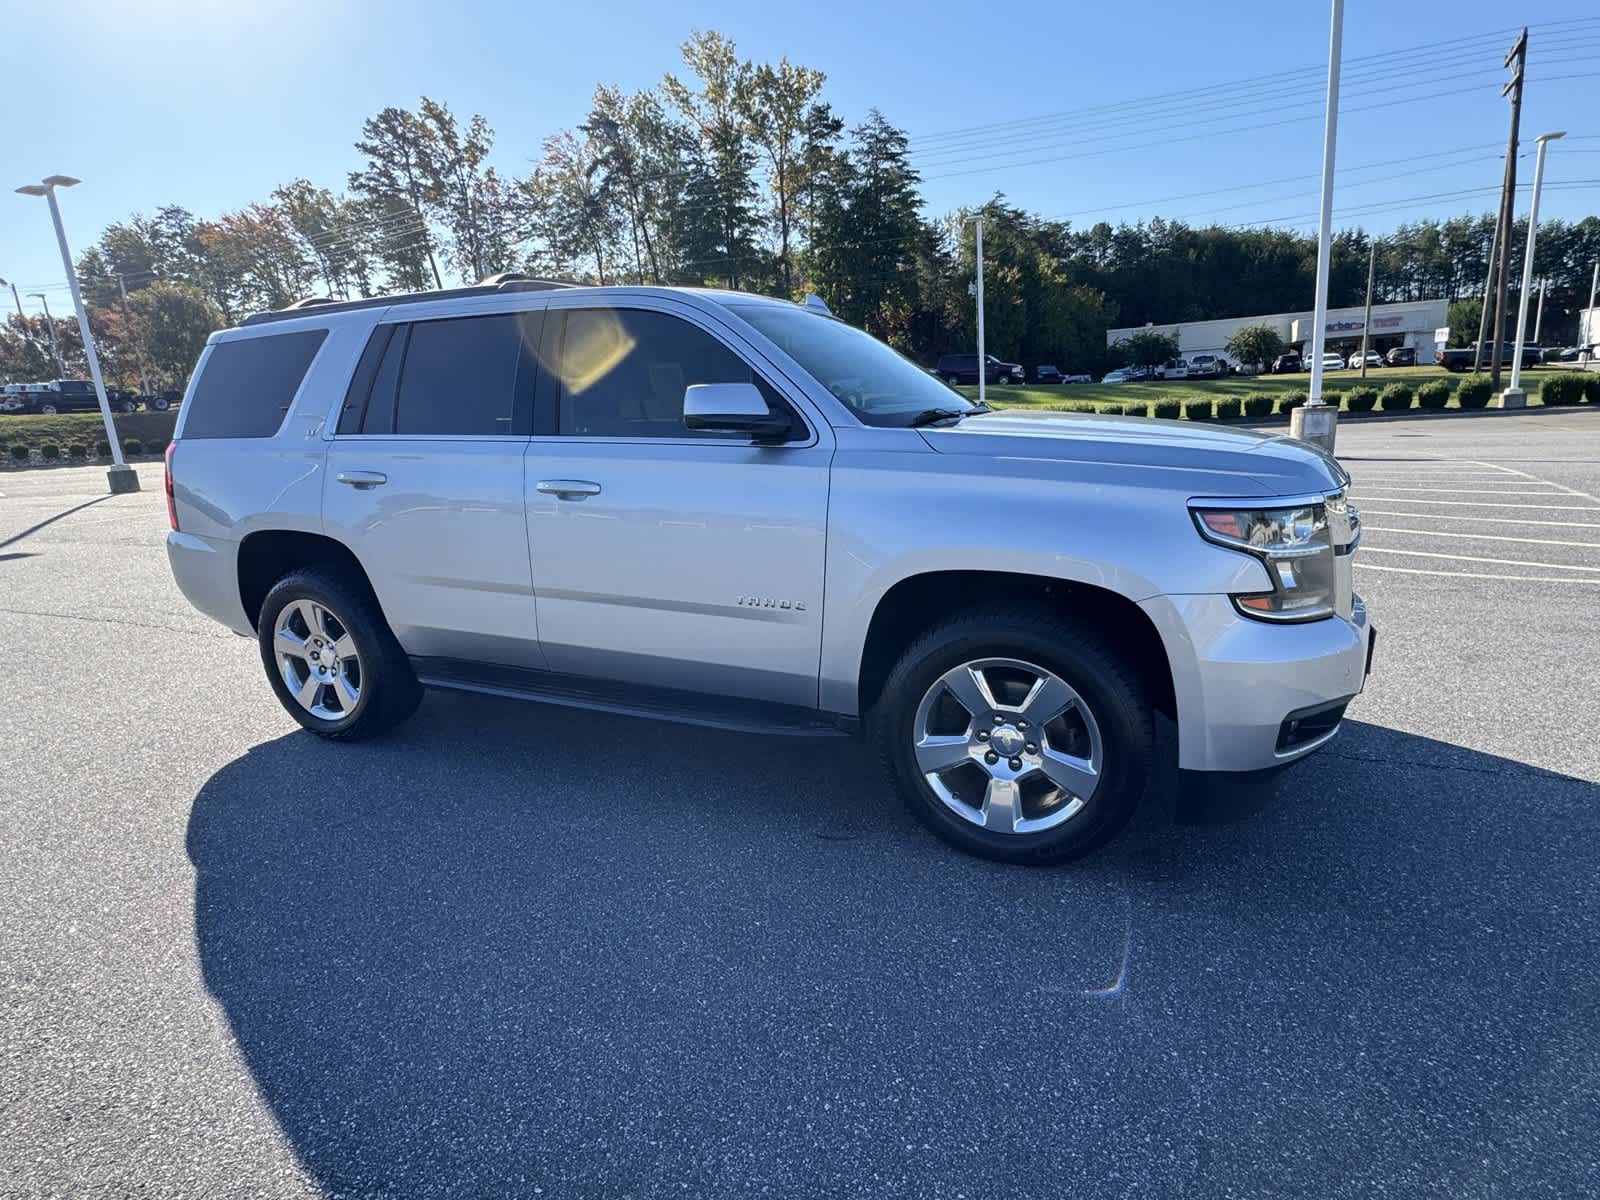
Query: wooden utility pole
[[1366, 321], [1508, 197]]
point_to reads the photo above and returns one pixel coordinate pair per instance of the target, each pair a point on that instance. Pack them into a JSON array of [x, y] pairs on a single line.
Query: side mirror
[[732, 408]]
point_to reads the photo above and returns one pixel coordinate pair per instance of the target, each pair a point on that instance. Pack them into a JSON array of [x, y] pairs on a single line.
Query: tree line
[[735, 174]]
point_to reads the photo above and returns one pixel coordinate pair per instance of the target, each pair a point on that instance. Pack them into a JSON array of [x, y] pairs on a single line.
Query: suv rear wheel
[[331, 658], [1015, 735]]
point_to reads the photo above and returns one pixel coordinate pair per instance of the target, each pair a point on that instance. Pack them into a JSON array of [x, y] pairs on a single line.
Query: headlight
[[1295, 546]]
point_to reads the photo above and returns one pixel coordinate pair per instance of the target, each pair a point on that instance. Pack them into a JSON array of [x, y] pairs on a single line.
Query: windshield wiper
[[930, 416]]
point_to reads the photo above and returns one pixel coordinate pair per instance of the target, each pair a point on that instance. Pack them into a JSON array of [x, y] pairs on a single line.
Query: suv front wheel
[[1015, 735], [331, 658]]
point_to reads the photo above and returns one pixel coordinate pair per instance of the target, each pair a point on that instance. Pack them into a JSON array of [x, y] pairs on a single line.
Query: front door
[[663, 556], [425, 484]]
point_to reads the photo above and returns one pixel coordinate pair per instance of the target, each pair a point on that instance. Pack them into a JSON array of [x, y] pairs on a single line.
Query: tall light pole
[[1514, 396], [1315, 421], [50, 328], [15, 297], [121, 477], [983, 361], [1538, 320]]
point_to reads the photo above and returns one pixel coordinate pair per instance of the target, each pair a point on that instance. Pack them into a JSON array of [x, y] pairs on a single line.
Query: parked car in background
[[1208, 366], [1287, 363], [1046, 373], [1120, 375], [1461, 358], [1077, 379], [1173, 368], [1332, 360], [1401, 356], [963, 368], [1374, 359]]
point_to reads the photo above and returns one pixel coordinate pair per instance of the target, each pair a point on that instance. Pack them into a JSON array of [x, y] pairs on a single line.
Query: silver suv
[[735, 511]]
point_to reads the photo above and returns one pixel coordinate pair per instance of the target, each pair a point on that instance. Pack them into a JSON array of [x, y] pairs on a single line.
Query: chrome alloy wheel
[[318, 660], [1007, 745]]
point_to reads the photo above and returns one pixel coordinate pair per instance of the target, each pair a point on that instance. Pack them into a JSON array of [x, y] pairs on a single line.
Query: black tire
[[952, 380], [389, 691], [158, 404], [1083, 658], [48, 409]]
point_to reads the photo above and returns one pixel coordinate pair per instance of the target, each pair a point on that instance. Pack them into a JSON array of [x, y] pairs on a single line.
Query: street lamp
[[50, 328], [121, 476], [1315, 421], [1514, 396], [14, 296]]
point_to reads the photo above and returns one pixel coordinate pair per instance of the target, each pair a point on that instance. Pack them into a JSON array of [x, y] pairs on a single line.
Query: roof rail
[[506, 281]]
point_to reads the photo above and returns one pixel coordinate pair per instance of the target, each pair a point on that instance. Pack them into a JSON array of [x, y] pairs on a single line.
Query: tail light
[[172, 508]]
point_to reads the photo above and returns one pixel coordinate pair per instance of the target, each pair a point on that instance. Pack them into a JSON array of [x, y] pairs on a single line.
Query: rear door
[[665, 556], [424, 482]]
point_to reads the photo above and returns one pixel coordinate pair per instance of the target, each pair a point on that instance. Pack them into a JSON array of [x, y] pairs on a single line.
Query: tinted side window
[[248, 385], [623, 373], [459, 377]]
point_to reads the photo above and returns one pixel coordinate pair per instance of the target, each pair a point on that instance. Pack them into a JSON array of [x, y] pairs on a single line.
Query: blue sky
[[211, 105]]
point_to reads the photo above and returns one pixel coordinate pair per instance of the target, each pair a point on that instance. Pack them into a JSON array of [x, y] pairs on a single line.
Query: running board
[[631, 700]]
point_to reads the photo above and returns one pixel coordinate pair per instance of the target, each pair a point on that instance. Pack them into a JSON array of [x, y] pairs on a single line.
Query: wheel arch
[[267, 555], [910, 605]]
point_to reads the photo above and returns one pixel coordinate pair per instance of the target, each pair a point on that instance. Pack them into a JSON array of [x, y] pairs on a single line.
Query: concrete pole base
[[122, 479], [1315, 423], [1510, 398]]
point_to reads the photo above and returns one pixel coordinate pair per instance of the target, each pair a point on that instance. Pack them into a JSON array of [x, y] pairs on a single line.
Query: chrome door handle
[[362, 479], [568, 489]]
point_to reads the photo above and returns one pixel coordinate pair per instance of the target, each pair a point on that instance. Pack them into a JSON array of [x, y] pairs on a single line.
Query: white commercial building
[[1411, 324]]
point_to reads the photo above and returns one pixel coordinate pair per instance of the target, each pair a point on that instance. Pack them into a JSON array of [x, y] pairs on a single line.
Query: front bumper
[[1238, 681]]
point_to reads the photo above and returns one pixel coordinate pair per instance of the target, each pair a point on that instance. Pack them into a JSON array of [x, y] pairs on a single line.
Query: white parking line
[[1400, 487], [1502, 562], [1563, 487], [1422, 516], [1366, 566], [1479, 537], [1487, 504]]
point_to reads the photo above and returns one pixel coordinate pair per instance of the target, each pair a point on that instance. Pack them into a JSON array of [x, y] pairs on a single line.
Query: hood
[[1198, 459]]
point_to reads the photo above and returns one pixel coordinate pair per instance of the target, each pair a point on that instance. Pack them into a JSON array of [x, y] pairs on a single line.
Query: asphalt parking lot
[[516, 950]]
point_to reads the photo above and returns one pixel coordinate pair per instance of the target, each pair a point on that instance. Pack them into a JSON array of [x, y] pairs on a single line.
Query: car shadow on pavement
[[516, 947]]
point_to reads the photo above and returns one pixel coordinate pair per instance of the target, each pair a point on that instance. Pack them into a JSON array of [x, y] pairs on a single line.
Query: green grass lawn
[[35, 430], [1238, 386]]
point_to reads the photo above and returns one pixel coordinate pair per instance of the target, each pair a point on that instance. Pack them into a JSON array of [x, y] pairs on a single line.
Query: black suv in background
[[963, 368], [1401, 356], [1286, 363]]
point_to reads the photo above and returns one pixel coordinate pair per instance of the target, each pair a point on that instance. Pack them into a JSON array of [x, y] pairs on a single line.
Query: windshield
[[878, 384]]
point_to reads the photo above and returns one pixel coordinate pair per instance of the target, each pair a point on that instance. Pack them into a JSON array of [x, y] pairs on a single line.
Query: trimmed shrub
[[1291, 401], [132, 446], [78, 451], [102, 449], [1166, 410], [1434, 394], [1474, 392], [1361, 399], [1395, 398], [1561, 389], [1228, 407], [50, 452], [1197, 410], [19, 454], [1257, 407], [1591, 388]]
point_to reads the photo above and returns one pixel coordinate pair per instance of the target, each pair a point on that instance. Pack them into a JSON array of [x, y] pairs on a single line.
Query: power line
[[1316, 71]]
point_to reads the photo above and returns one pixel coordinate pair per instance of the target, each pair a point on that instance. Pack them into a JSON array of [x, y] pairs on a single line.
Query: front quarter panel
[[898, 509]]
